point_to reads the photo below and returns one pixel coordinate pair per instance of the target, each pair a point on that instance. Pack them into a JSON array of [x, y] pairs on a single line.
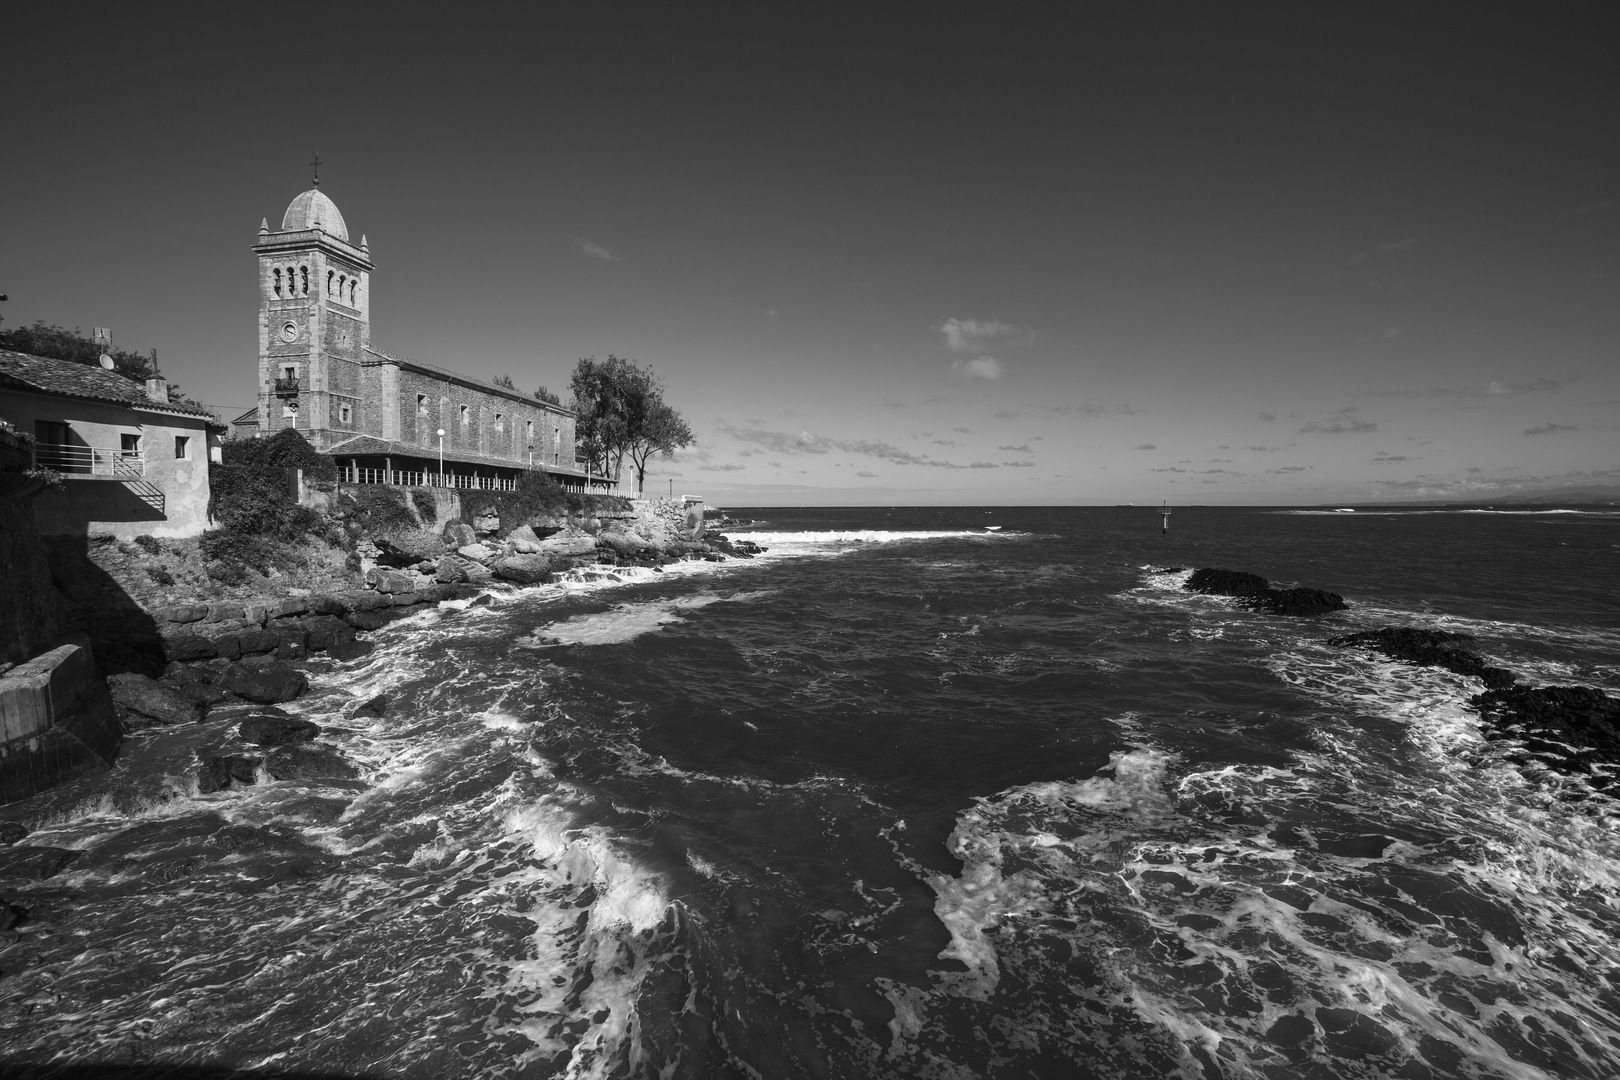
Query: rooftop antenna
[[317, 164], [1164, 518], [104, 343]]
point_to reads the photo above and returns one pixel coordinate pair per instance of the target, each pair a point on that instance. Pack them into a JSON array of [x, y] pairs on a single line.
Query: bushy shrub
[[377, 509], [286, 449], [160, 575], [149, 544]]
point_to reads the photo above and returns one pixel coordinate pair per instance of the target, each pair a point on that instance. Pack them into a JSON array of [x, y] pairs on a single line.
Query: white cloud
[[975, 335], [985, 367], [596, 251]]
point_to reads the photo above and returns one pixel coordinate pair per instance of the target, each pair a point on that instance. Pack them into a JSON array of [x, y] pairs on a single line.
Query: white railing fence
[[77, 460], [353, 474]]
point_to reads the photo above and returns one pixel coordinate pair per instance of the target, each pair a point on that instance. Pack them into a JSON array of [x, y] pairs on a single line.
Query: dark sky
[[1242, 253]]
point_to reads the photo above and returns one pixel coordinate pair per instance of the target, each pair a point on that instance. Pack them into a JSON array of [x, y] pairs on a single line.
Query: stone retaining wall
[[56, 720]]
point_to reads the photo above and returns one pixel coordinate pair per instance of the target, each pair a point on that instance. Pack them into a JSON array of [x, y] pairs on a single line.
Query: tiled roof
[[371, 446], [49, 376]]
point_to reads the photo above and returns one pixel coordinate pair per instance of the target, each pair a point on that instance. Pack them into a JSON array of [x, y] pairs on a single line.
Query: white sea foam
[[625, 622], [861, 536]]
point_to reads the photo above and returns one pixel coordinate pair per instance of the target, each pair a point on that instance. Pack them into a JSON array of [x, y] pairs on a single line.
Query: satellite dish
[[106, 361]]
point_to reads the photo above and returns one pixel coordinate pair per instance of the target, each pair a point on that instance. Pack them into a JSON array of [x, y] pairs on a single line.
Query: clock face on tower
[[289, 332]]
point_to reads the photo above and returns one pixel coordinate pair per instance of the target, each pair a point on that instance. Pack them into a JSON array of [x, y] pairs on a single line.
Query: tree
[[542, 394], [622, 413], [505, 382], [60, 343]]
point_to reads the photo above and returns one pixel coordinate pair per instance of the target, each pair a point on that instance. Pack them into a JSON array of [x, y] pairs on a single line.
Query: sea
[[918, 792]]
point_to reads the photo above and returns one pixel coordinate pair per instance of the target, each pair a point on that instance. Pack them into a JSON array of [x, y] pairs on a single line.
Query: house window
[[500, 422], [463, 414], [421, 404], [345, 413], [182, 448]]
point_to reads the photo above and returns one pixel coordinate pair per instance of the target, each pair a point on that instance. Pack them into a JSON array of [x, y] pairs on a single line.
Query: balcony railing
[[285, 387], [75, 460]]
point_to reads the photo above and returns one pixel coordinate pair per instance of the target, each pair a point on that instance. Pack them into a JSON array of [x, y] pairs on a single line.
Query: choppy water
[[900, 798]]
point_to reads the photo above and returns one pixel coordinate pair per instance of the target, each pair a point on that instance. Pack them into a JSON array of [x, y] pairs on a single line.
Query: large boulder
[[626, 544], [456, 535], [200, 691], [1295, 602], [486, 522], [151, 701], [216, 772], [325, 631], [407, 549], [391, 581], [362, 600], [450, 572], [524, 569], [185, 647], [304, 761], [181, 613], [265, 683], [270, 729], [476, 552], [570, 541]]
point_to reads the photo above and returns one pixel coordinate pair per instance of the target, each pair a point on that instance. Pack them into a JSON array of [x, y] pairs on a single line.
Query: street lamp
[[441, 457]]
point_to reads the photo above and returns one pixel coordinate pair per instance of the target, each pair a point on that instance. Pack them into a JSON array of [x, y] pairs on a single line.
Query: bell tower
[[314, 321]]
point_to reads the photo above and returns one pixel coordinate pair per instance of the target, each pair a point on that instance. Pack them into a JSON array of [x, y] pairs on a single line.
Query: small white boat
[[991, 528], [1345, 510]]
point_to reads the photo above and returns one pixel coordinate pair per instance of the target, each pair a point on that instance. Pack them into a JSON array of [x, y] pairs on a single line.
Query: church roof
[[45, 374], [313, 210]]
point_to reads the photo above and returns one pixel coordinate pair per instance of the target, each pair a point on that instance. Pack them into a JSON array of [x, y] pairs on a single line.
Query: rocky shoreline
[[1571, 730], [219, 671]]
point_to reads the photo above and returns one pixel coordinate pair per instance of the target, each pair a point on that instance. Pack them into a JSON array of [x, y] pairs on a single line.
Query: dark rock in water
[[1550, 719], [367, 620], [34, 862], [152, 700], [266, 683], [406, 549], [1255, 593], [11, 832], [324, 631], [269, 730], [302, 761], [201, 694], [292, 642], [524, 569], [350, 649], [220, 771], [11, 915], [186, 647], [1294, 602], [1226, 582], [376, 706], [1430, 648]]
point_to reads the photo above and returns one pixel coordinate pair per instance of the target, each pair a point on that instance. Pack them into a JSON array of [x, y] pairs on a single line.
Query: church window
[[345, 413], [421, 404], [343, 279], [464, 415], [303, 272], [353, 283], [500, 422], [277, 273], [330, 274]]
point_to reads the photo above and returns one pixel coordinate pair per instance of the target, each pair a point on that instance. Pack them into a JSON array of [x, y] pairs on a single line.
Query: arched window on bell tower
[[277, 273]]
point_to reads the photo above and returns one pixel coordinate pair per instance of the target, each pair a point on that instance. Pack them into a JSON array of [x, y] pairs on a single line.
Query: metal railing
[[405, 478], [75, 460], [285, 387]]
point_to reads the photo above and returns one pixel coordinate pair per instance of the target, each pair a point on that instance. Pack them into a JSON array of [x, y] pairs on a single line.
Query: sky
[[890, 254]]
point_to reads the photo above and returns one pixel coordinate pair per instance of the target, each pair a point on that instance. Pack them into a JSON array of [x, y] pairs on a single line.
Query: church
[[383, 418]]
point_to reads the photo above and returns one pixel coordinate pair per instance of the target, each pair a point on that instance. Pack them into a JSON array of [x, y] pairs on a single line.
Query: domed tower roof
[[312, 210]]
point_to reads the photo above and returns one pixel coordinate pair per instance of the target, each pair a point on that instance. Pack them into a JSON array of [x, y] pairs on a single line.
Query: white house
[[133, 462]]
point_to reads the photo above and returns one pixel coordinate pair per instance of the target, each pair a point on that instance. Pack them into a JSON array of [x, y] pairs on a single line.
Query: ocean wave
[[862, 536]]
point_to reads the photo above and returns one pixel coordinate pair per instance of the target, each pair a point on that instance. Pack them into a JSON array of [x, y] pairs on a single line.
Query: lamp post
[[441, 457]]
